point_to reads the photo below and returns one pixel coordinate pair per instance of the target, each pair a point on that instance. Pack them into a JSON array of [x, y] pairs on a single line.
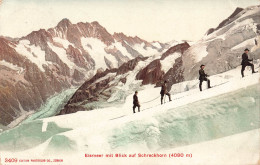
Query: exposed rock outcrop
[[151, 74]]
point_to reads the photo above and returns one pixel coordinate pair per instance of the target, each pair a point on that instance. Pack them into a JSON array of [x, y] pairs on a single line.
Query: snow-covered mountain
[[222, 47], [220, 50], [45, 62]]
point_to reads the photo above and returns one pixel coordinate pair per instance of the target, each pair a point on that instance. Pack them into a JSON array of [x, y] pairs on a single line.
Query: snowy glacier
[[191, 120], [192, 117]]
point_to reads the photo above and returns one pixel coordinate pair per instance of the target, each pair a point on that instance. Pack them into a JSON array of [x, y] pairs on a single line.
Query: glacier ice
[[203, 120]]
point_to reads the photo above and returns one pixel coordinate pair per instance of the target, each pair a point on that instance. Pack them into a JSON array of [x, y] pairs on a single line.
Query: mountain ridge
[[57, 58]]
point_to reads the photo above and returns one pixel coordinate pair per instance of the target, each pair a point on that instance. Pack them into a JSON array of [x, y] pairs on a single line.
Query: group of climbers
[[202, 77], [163, 92]]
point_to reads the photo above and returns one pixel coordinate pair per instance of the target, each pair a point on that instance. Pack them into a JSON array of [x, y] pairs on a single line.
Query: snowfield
[[65, 43], [95, 48], [145, 51], [168, 62], [61, 52], [32, 52], [122, 49], [250, 42], [198, 52], [216, 124]]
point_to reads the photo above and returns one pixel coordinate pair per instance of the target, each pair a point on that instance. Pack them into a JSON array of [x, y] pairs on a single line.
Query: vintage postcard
[[129, 82]]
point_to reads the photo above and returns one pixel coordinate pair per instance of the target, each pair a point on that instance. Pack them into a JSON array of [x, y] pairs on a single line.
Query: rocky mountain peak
[[130, 40], [96, 24], [39, 37], [226, 21], [64, 23]]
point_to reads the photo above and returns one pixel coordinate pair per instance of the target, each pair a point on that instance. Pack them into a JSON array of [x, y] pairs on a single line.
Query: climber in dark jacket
[[203, 77], [136, 102], [164, 92], [245, 62]]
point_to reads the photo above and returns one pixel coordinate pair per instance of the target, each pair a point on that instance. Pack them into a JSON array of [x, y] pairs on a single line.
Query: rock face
[[47, 61], [23, 85], [180, 48], [129, 66], [151, 74]]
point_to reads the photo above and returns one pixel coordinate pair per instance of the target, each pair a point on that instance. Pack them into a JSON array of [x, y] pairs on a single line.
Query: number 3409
[[10, 160]]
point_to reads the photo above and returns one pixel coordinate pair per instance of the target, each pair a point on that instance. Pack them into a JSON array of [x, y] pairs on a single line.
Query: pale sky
[[152, 20]]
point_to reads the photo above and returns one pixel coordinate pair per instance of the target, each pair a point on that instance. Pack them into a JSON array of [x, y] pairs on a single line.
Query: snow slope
[[32, 52], [63, 42], [192, 118], [96, 50], [221, 49], [145, 51], [61, 52], [168, 62]]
